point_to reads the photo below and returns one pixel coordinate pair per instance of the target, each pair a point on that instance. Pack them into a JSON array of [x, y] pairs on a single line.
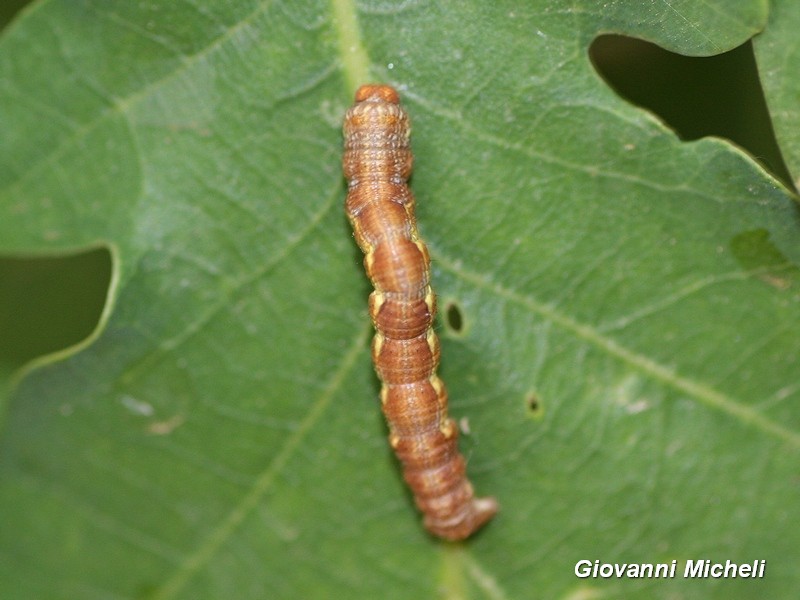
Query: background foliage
[[626, 360]]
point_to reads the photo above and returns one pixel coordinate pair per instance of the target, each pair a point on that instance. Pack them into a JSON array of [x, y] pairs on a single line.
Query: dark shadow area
[[9, 10], [47, 304], [707, 96]]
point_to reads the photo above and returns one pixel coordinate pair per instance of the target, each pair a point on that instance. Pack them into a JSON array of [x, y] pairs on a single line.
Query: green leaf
[[630, 305], [778, 53]]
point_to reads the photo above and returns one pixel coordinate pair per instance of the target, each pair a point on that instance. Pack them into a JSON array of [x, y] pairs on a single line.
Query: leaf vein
[[702, 392]]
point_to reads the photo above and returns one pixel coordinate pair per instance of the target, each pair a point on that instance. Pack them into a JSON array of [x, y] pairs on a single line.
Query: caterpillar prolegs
[[377, 163]]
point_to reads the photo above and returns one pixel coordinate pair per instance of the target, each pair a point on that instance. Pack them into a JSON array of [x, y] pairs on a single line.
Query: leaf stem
[[355, 60]]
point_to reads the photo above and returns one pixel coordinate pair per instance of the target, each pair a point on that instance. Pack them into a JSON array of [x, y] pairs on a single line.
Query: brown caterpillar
[[377, 163]]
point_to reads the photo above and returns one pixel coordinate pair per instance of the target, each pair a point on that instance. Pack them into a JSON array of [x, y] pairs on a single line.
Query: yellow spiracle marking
[[377, 343], [433, 341], [421, 246], [378, 300], [366, 246], [430, 300], [369, 260], [448, 428]]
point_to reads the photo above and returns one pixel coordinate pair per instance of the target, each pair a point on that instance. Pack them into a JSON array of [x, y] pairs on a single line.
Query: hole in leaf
[[454, 318], [533, 404], [48, 304], [696, 96]]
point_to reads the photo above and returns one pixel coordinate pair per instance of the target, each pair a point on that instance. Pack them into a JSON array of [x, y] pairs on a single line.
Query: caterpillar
[[377, 163]]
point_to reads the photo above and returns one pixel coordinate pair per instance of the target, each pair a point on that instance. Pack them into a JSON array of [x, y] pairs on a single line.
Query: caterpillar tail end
[[480, 512]]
